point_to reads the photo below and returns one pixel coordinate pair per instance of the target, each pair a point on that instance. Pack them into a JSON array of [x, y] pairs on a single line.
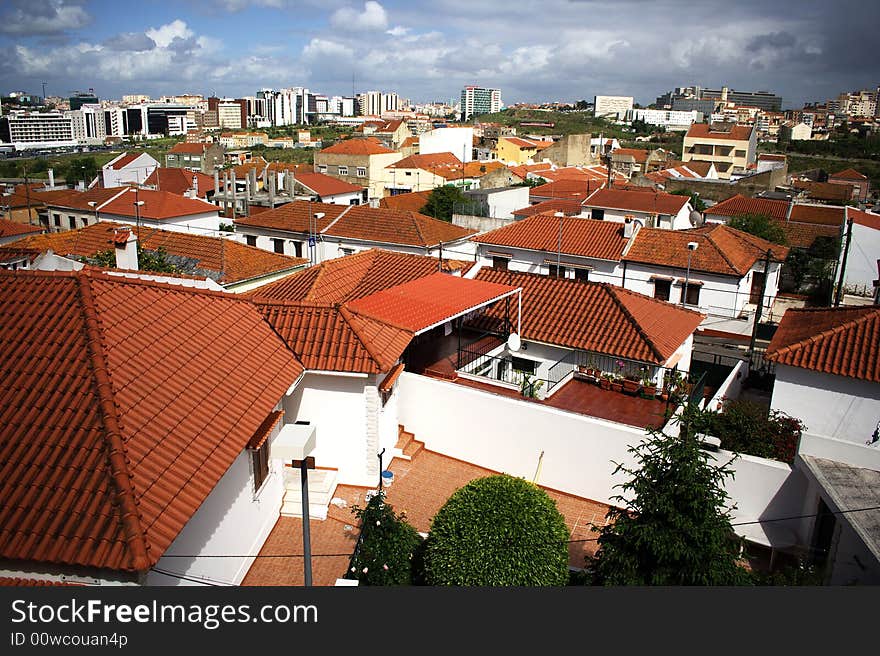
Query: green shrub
[[384, 555], [498, 531]]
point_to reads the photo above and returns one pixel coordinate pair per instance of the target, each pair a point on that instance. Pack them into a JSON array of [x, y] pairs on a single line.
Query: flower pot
[[616, 387], [650, 390], [631, 386], [604, 383]]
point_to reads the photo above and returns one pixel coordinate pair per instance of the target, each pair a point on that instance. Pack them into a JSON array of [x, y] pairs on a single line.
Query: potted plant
[[605, 380], [631, 383], [649, 387], [616, 383]]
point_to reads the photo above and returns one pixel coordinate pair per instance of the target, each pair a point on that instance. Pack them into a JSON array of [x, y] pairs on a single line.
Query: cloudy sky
[[427, 50]]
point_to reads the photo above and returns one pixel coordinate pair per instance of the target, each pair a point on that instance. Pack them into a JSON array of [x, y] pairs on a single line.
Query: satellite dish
[[513, 342], [696, 218]]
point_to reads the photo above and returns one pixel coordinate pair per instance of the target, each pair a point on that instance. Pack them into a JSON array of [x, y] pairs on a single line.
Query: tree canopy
[[498, 531], [759, 225], [441, 202], [670, 526]]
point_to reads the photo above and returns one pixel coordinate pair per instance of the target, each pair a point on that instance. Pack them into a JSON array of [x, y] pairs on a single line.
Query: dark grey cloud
[[130, 41], [41, 17]]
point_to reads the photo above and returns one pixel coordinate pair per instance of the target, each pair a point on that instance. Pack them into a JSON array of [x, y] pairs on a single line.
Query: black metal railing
[[491, 366], [608, 365]]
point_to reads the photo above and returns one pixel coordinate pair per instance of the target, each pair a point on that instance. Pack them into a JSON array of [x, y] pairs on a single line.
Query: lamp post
[[137, 210], [313, 235], [692, 246]]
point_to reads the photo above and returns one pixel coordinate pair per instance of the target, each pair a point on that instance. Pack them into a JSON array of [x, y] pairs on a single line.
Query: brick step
[[413, 448]]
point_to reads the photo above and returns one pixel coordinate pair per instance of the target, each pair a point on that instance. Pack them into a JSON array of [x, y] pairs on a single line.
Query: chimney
[[628, 227], [125, 244], [51, 178], [195, 187], [216, 182]]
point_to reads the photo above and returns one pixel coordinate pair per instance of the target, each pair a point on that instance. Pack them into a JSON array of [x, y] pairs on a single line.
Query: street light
[[313, 235], [692, 246]]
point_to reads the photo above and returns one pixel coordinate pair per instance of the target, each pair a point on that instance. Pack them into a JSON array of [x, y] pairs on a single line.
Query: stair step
[[322, 486], [413, 448]]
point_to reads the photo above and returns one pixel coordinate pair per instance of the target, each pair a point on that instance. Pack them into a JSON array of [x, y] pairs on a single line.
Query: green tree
[[696, 202], [385, 552], [759, 225], [441, 202], [498, 531], [671, 526], [78, 169]]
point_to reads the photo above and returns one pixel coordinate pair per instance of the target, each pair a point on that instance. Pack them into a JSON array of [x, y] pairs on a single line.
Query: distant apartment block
[[731, 148], [702, 100], [37, 130], [478, 100], [614, 107], [668, 119]]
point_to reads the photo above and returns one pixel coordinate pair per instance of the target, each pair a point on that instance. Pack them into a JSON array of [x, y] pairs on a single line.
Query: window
[[251, 240], [57, 220], [523, 365], [582, 274], [278, 245], [85, 221], [322, 168], [354, 201], [500, 263], [71, 220], [342, 170], [347, 251], [740, 153], [298, 248], [598, 215], [662, 289], [260, 460], [693, 294], [554, 272], [361, 172]]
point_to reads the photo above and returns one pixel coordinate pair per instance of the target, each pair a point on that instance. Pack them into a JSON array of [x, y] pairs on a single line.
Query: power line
[[183, 577]]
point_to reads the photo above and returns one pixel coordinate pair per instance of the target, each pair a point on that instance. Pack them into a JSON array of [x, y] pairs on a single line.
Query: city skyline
[[235, 47]]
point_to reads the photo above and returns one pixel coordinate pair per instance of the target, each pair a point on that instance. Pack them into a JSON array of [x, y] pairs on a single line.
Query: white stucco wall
[[232, 520], [830, 406], [458, 141], [136, 171], [336, 406], [719, 295], [537, 262], [679, 221], [205, 224], [731, 387], [861, 263]]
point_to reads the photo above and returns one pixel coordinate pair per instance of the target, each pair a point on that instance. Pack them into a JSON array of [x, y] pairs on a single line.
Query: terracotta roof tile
[[124, 160], [122, 404], [119, 201], [848, 174], [13, 229], [842, 341], [393, 227], [429, 301], [640, 155], [353, 276], [331, 338], [367, 146], [825, 190], [581, 237], [190, 148], [569, 207], [427, 162], [721, 249], [412, 202], [637, 201], [867, 219], [325, 185], [179, 181], [567, 188], [705, 131], [224, 260], [596, 317]]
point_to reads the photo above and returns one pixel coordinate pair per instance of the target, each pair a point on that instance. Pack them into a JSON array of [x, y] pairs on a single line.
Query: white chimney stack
[[628, 227], [125, 243], [51, 178], [195, 187]]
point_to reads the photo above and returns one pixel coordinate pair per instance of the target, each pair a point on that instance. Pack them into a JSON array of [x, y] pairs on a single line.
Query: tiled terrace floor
[[420, 488]]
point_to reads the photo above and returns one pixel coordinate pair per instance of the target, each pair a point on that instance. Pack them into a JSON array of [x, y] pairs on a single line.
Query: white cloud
[[397, 30], [373, 17], [41, 17], [163, 36], [326, 49], [238, 5]]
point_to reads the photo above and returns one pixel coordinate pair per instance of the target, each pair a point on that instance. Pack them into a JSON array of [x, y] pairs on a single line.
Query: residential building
[[479, 100], [613, 107], [693, 170], [863, 252], [128, 168], [423, 173], [22, 205], [376, 103], [182, 182], [89, 125], [391, 133], [515, 150], [153, 464], [204, 157], [358, 161], [11, 231], [731, 148], [630, 161], [649, 209], [233, 266], [327, 189], [791, 131], [765, 100], [322, 231], [665, 118], [27, 131], [458, 141], [860, 183]]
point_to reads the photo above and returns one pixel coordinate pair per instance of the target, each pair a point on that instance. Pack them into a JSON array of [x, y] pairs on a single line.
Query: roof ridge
[[415, 217], [611, 291], [352, 319], [135, 536], [867, 314], [708, 237]]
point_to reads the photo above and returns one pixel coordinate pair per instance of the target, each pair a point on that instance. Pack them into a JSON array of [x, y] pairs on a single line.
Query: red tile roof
[[367, 146], [567, 188], [867, 219], [427, 162], [825, 190], [412, 202], [778, 209], [190, 148], [596, 317], [705, 131], [179, 181], [124, 160], [803, 235], [637, 201], [332, 338], [354, 276], [119, 201], [722, 250], [818, 214], [361, 222], [522, 143], [122, 404], [13, 229], [223, 260], [848, 174], [582, 237], [842, 341], [640, 155], [325, 185], [568, 206], [426, 302]]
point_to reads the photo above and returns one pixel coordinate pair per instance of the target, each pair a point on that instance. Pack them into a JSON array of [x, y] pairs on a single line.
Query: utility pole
[[27, 195], [839, 294], [760, 305]]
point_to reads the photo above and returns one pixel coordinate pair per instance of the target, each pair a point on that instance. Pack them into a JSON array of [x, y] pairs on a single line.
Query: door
[[757, 286]]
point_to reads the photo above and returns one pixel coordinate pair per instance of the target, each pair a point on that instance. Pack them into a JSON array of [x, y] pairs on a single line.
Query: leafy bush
[[384, 555], [498, 531], [759, 225], [747, 427]]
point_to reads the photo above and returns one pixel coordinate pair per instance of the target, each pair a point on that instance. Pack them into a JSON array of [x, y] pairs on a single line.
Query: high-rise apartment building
[[478, 100], [375, 103], [614, 107], [37, 130]]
